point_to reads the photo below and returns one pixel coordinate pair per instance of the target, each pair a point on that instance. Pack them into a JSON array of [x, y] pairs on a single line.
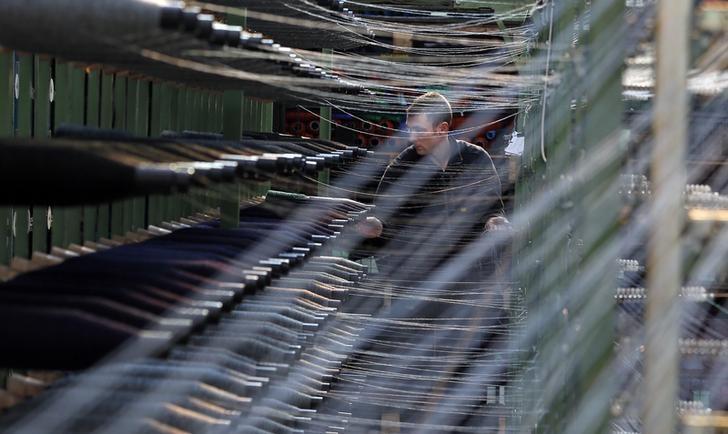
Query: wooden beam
[[664, 261]]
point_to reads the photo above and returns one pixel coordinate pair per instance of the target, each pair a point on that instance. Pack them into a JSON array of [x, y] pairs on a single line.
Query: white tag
[[515, 146], [490, 395]]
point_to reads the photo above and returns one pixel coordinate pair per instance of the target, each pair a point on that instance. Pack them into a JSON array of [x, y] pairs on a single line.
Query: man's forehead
[[418, 119]]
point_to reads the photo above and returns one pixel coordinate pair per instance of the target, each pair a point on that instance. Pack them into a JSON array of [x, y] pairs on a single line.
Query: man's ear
[[443, 127]]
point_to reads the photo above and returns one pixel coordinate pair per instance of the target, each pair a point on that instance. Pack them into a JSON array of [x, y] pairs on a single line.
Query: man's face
[[424, 135]]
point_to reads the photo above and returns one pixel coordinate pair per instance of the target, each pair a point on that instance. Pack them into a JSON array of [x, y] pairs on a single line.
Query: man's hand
[[497, 223], [370, 228]]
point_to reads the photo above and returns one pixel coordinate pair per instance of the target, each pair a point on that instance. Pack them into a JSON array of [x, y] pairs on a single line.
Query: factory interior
[[364, 216]]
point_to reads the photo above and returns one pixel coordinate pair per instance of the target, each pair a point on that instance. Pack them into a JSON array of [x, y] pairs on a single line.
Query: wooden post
[[664, 262]]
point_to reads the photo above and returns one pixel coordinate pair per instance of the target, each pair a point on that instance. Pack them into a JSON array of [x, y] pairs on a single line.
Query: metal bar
[[230, 205], [259, 115], [156, 202], [214, 114], [324, 125], [177, 115], [143, 129], [204, 119], [197, 113], [598, 125], [207, 112], [166, 110], [107, 101], [93, 115], [211, 194], [267, 117], [132, 106], [7, 129], [24, 124], [256, 114], [41, 129], [182, 109], [136, 115], [212, 111], [184, 118], [60, 114], [7, 91], [232, 111], [559, 398], [23, 128], [119, 225], [324, 177], [155, 109], [131, 205], [579, 116], [119, 102], [106, 115], [193, 109], [167, 92], [127, 217], [248, 121], [325, 111], [77, 102], [664, 262], [93, 98], [174, 103], [143, 96], [325, 133], [218, 113]]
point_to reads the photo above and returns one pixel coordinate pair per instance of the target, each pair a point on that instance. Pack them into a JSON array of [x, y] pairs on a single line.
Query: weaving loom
[[171, 261]]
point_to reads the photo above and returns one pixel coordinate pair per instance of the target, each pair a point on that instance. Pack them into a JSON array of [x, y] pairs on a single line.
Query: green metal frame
[[55, 92], [7, 91], [574, 350]]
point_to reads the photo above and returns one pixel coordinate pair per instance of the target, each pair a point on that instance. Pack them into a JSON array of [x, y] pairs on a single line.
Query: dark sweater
[[428, 211]]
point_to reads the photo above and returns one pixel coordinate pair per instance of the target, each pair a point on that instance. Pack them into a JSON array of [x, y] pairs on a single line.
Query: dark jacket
[[434, 212]]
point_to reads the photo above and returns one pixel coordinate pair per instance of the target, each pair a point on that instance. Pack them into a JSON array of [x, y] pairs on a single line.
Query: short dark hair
[[434, 105]]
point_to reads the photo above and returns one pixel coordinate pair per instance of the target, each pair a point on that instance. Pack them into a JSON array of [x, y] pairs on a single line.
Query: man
[[434, 199], [436, 196]]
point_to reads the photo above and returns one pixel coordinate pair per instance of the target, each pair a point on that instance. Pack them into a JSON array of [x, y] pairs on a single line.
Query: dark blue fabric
[[117, 292]]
